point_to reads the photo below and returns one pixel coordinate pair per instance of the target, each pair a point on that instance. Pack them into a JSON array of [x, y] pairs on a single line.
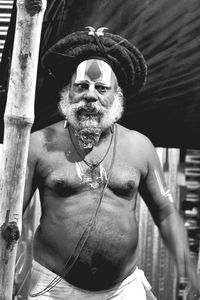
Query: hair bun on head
[[127, 62]]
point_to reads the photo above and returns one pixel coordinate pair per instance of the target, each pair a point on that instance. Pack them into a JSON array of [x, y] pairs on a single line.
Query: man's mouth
[[88, 112]]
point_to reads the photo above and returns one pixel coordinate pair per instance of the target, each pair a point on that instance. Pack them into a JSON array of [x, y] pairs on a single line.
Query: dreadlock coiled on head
[[128, 64]]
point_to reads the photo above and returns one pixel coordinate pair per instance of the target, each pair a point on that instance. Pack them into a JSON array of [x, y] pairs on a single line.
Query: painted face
[[94, 80], [93, 98]]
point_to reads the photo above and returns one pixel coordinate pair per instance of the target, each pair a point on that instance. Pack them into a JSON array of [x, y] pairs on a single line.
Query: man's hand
[[194, 285], [190, 285], [191, 293]]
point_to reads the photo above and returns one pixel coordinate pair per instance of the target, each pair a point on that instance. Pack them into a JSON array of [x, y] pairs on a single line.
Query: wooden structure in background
[[18, 120]]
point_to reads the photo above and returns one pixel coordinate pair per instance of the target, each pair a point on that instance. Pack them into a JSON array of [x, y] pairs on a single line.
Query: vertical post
[[18, 119]]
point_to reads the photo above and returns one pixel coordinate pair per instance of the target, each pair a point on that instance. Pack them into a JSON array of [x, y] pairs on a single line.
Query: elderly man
[[89, 170]]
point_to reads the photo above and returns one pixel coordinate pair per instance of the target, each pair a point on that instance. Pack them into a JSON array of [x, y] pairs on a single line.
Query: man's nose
[[91, 94]]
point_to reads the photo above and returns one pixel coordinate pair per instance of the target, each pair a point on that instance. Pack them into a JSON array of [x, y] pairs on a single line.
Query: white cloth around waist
[[134, 287]]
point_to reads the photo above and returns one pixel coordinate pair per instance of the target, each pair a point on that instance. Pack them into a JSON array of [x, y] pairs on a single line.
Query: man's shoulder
[[134, 137], [137, 148], [40, 138], [51, 130]]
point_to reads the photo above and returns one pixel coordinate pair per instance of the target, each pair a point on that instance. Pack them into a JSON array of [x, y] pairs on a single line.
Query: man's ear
[[118, 90]]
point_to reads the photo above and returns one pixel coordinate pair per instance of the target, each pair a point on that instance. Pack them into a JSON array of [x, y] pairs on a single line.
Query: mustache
[[90, 109]]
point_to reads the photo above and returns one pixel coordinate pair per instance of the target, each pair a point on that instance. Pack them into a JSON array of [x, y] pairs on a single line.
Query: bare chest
[[66, 178]]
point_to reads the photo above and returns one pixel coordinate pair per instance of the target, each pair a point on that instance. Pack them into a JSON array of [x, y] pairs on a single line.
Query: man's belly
[[92, 258]]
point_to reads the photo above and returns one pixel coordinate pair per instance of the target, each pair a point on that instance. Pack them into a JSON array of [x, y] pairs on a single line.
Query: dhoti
[[134, 287]]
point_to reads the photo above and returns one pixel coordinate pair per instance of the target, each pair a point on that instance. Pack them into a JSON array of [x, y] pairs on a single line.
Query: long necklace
[[94, 176]]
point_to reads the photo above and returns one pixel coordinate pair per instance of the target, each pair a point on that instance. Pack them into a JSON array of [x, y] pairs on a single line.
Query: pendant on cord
[[93, 177]]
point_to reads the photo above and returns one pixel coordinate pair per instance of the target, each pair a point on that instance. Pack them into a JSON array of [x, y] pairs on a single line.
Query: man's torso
[[68, 203]]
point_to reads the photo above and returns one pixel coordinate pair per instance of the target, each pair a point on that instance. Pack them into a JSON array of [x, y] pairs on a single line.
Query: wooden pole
[[18, 119]]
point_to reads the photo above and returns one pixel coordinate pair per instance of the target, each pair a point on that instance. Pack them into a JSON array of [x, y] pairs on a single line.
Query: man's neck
[[88, 139]]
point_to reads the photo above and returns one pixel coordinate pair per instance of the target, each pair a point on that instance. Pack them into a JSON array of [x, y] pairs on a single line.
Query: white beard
[[88, 127]]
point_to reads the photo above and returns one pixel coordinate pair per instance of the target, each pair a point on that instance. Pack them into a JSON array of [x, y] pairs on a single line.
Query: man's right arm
[[155, 192], [31, 178]]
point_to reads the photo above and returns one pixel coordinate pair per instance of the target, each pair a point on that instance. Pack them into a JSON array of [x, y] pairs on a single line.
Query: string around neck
[[92, 165]]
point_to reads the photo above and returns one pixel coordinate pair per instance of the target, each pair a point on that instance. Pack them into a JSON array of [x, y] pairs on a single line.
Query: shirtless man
[[89, 170]]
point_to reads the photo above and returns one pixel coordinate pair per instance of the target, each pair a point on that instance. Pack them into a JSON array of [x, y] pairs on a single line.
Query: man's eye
[[82, 86], [101, 88]]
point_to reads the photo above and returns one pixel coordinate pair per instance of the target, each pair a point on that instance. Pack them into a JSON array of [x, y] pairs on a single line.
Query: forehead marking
[[94, 69]]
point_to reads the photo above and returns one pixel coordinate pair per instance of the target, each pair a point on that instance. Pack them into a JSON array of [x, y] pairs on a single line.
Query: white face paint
[[94, 70]]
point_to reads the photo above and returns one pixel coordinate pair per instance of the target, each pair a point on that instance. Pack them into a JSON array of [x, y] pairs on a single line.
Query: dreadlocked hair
[[127, 62]]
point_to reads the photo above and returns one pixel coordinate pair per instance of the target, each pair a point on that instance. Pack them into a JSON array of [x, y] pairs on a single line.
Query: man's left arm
[[154, 190]]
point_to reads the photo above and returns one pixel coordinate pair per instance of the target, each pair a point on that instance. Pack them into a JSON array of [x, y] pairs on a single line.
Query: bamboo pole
[[18, 119]]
